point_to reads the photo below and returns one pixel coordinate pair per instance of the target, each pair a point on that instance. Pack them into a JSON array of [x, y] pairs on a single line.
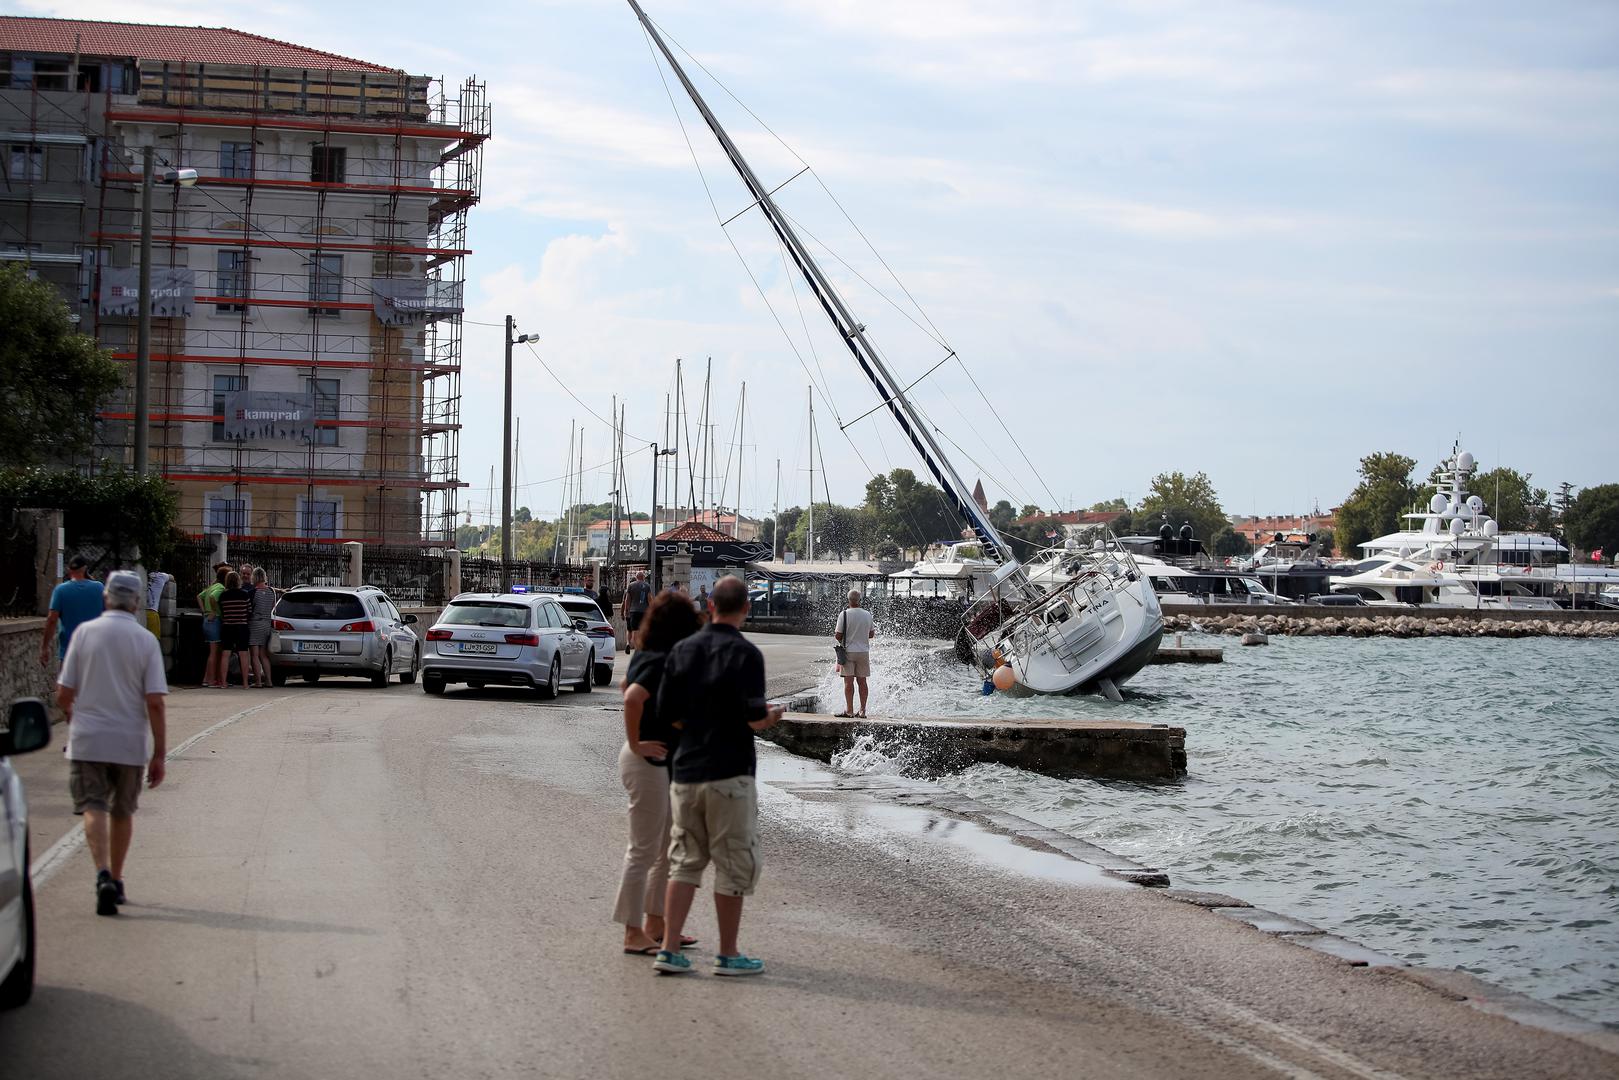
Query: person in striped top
[[235, 610]]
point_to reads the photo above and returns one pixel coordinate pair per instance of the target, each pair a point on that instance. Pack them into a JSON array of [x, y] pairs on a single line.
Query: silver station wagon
[[340, 630], [511, 639]]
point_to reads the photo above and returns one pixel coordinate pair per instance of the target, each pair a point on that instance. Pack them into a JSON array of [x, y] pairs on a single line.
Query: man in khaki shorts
[[112, 689], [713, 692], [854, 632]]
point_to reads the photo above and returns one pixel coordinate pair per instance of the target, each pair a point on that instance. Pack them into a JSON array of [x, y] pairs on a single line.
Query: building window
[[325, 393], [317, 518], [236, 159], [327, 164], [224, 387], [50, 75], [27, 163], [325, 283], [231, 279], [227, 515]]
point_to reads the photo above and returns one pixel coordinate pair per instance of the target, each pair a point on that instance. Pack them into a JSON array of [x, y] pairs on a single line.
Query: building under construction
[[306, 293]]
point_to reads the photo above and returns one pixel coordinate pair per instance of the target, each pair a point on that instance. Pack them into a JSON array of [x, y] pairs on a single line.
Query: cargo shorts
[[99, 785], [715, 821]]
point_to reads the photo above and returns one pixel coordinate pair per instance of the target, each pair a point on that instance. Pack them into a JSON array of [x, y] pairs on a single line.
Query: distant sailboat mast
[[889, 389]]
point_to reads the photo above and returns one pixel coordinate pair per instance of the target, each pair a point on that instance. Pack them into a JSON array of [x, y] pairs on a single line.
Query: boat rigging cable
[[931, 330]]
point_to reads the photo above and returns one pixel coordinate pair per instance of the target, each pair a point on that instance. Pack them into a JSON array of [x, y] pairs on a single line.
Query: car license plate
[[317, 646], [472, 646]]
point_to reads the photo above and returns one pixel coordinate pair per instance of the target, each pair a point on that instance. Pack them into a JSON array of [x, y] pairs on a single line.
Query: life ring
[[1437, 565]]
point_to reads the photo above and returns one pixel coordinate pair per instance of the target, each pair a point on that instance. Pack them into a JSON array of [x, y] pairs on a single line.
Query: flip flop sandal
[[842, 716], [687, 942], [650, 950]]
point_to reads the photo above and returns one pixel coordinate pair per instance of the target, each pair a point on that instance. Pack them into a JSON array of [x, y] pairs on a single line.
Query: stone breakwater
[[1390, 625]]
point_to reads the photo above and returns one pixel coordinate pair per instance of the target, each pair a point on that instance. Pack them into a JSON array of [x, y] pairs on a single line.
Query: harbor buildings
[[306, 291]]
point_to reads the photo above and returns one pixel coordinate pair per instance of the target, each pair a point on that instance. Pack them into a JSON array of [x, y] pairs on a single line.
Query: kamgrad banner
[[403, 301], [174, 291], [269, 416]]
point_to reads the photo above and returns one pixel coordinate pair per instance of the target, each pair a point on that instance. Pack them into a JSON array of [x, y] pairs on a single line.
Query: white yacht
[[1454, 555]]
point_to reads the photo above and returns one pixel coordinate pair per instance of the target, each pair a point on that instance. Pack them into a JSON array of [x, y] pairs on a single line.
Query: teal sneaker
[[670, 963], [738, 965]]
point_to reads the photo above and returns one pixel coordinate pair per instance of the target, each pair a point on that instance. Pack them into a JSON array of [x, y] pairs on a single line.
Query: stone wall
[[20, 672], [1393, 622]]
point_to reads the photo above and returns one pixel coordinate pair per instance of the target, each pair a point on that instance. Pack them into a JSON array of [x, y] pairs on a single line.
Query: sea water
[[1450, 801]]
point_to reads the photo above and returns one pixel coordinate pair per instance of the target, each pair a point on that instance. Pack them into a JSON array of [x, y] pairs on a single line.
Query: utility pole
[[506, 460], [143, 326]]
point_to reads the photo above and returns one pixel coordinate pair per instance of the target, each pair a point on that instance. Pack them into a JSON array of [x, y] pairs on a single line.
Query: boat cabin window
[[1409, 594]]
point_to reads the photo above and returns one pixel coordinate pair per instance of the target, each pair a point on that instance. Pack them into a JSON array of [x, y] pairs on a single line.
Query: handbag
[[841, 653]]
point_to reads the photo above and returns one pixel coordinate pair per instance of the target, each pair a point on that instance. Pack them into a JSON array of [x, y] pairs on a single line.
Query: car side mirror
[[579, 624], [29, 727], [409, 619]]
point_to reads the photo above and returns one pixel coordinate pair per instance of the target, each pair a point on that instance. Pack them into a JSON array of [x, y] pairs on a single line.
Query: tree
[[1374, 507], [1110, 506], [1001, 515], [909, 512], [1591, 522], [1508, 497], [53, 379], [522, 516], [1176, 498], [1229, 542], [1327, 541]]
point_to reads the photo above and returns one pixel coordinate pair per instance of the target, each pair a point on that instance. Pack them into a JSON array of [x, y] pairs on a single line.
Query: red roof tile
[[690, 531], [177, 44]]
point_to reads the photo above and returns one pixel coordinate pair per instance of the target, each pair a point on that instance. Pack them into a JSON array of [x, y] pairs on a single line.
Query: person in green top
[[214, 673]]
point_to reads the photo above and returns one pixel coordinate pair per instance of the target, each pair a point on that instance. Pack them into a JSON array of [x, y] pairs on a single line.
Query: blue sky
[[1254, 239]]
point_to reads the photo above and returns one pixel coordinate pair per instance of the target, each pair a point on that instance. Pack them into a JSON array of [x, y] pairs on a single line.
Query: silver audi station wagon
[[511, 639]]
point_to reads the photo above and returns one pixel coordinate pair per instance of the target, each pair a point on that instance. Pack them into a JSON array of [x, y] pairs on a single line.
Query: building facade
[[306, 292]]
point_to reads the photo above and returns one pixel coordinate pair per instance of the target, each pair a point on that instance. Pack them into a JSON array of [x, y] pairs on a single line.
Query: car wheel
[[380, 676], [475, 684], [432, 685], [408, 677], [604, 674], [278, 677], [553, 681], [311, 677], [587, 676], [19, 985]]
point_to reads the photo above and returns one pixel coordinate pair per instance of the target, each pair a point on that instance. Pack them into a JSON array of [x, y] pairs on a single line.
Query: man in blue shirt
[[77, 600]]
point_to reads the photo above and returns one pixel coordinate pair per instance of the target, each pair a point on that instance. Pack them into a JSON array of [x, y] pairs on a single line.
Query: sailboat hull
[[1074, 639]]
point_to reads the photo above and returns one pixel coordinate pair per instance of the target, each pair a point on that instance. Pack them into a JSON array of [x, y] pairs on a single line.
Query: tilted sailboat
[[1090, 633]]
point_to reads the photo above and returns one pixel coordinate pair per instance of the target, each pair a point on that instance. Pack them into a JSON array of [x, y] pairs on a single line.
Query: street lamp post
[[143, 324], [506, 461], [652, 541]]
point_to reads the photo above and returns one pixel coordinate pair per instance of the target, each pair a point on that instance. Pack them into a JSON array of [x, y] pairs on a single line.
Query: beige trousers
[[646, 859]]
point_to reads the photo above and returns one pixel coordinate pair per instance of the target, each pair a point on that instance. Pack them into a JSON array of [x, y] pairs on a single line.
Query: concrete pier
[[1186, 654], [1111, 750]]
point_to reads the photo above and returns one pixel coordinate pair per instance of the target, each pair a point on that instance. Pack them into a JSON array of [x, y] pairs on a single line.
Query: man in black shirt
[[713, 692]]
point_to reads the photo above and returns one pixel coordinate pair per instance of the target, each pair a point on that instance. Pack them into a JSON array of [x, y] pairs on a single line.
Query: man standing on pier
[[713, 693], [854, 632]]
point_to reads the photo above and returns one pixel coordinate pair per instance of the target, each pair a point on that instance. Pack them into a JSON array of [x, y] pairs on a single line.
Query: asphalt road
[[355, 883]]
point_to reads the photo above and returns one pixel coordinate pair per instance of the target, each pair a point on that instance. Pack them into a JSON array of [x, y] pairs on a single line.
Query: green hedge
[[125, 508]]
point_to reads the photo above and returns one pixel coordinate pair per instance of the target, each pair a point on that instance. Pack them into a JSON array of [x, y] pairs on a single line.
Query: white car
[[510, 639], [578, 604], [29, 729]]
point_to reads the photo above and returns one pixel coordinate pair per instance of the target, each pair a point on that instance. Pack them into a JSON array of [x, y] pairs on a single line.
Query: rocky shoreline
[[1392, 625]]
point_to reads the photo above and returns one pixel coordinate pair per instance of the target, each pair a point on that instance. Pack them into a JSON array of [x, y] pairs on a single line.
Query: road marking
[[57, 855]]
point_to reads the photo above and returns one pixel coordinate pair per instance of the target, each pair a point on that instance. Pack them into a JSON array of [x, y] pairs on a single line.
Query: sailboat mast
[[741, 420], [809, 533], [889, 389]]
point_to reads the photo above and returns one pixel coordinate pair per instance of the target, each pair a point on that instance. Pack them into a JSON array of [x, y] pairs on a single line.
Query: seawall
[[1316, 620]]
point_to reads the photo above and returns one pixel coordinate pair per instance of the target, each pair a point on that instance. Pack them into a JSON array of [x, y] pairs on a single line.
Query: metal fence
[[18, 586], [483, 575]]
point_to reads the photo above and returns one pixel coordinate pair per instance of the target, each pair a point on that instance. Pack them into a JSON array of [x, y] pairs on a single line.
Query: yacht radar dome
[[1464, 462], [1457, 527], [1490, 527], [1475, 504], [1438, 504]]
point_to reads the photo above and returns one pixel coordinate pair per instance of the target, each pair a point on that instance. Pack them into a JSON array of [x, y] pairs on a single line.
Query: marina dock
[[1110, 750]]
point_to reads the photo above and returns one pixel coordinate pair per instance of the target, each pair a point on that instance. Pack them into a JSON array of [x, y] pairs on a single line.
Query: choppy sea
[[1450, 801]]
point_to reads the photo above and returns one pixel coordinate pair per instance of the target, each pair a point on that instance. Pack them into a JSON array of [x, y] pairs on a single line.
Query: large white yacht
[[1454, 555]]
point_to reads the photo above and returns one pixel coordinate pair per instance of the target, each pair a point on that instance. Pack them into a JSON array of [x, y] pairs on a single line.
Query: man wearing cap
[[112, 689], [74, 602]]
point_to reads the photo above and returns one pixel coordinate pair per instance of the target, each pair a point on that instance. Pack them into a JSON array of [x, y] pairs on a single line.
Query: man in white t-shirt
[[854, 632], [112, 689]]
